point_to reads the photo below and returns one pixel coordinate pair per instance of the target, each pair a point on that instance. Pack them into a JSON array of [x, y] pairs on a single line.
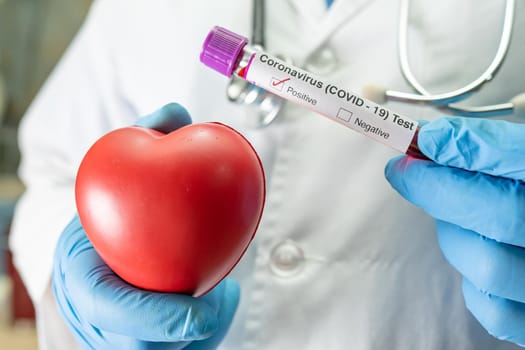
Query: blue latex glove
[[475, 190], [104, 312]]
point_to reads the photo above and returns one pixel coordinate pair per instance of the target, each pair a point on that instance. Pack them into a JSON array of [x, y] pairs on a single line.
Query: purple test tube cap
[[221, 50]]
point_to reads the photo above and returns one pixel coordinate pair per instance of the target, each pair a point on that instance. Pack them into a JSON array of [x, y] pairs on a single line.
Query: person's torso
[[340, 261]]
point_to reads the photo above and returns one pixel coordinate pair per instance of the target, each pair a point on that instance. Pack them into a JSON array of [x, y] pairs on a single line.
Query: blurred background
[[33, 36]]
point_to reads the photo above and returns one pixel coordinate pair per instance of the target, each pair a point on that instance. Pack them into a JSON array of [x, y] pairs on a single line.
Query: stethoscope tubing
[[240, 91], [463, 92]]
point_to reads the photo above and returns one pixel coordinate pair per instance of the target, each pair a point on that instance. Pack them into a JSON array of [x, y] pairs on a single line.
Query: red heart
[[171, 212]]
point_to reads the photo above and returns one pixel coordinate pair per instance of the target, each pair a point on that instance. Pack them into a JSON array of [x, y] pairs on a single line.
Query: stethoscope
[[265, 106]]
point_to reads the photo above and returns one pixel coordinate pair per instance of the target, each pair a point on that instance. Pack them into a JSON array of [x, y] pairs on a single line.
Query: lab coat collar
[[311, 10], [323, 22]]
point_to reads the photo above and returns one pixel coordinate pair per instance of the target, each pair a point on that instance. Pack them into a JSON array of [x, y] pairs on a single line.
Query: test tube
[[229, 53]]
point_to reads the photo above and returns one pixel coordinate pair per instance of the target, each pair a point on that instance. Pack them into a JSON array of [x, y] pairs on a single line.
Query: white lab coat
[[372, 276]]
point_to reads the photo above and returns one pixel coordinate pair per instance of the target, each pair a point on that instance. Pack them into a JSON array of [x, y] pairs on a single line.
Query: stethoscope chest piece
[[261, 105]]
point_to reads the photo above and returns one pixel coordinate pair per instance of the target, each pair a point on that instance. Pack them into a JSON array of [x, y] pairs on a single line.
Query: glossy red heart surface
[[171, 212]]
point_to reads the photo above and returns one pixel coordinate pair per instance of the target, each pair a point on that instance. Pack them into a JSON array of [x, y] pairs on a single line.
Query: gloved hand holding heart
[[171, 212]]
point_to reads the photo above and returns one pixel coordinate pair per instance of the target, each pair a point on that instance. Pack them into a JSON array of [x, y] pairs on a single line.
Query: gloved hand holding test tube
[[229, 54], [473, 187]]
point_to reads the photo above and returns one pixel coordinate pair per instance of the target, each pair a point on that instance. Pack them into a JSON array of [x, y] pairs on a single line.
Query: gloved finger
[[491, 206], [170, 117], [502, 318], [108, 303], [493, 147], [227, 291], [493, 267], [225, 300], [226, 311]]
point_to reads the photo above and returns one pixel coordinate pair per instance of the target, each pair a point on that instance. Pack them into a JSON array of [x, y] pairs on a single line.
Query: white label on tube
[[330, 100]]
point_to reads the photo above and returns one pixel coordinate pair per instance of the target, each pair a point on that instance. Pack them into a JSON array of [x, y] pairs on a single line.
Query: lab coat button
[[286, 259], [321, 62]]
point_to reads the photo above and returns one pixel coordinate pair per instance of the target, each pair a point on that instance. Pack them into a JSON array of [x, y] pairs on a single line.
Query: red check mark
[[279, 82]]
